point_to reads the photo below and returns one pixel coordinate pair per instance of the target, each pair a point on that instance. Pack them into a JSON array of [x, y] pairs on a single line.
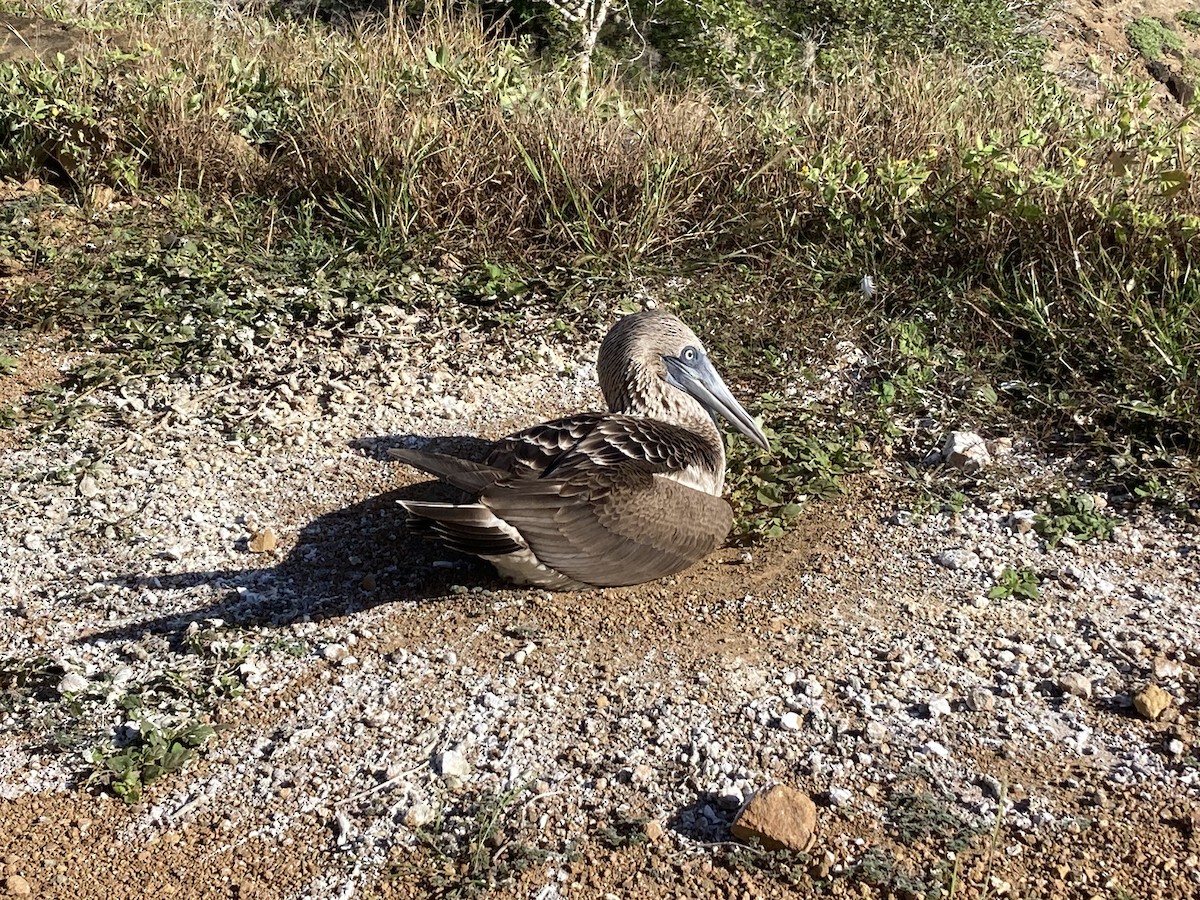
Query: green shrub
[[1150, 37]]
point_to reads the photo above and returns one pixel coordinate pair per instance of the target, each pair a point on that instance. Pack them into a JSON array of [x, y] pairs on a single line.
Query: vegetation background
[[905, 173]]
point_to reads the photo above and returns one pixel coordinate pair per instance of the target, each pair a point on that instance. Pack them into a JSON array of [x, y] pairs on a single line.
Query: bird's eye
[[688, 354]]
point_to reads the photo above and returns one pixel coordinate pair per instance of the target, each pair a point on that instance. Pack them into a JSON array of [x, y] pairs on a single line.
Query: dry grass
[[1059, 236]]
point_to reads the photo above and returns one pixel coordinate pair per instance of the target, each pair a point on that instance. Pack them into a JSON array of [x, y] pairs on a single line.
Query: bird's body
[[602, 499]]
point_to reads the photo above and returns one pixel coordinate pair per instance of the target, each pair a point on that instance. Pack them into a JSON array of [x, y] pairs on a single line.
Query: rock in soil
[[779, 818]]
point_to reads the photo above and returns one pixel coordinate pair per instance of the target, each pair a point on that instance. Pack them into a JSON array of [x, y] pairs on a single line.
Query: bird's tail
[[468, 527], [464, 474]]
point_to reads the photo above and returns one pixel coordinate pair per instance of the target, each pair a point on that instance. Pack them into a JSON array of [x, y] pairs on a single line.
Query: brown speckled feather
[[611, 525], [538, 446]]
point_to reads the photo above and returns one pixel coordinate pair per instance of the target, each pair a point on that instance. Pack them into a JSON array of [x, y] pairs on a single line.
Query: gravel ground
[[233, 554]]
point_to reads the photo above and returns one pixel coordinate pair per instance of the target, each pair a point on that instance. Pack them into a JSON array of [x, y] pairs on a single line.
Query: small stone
[[34, 541], [418, 816], [1176, 747], [642, 773], [790, 721], [1000, 447], [966, 450], [981, 700], [368, 583], [344, 827], [1077, 685], [263, 541], [956, 558], [939, 706], [780, 818], [88, 487], [336, 652], [825, 865], [522, 655], [17, 886], [1021, 521], [730, 798], [936, 748], [72, 683], [653, 831], [1151, 702], [840, 796], [451, 764], [1167, 668]]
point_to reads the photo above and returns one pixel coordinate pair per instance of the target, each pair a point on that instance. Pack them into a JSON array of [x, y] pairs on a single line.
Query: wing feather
[[612, 528], [464, 474], [535, 448], [592, 497]]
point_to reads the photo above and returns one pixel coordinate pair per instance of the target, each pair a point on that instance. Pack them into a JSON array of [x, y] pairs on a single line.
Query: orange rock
[[779, 818], [264, 541], [1152, 702]]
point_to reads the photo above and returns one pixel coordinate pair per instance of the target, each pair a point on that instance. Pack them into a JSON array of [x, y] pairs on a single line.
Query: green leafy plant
[[769, 490], [787, 867], [478, 844], [623, 831], [1073, 515], [1150, 37], [1189, 19], [919, 815], [153, 752], [1012, 582], [880, 869]]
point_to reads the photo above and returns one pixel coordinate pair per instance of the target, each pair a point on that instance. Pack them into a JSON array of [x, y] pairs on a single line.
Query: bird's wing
[[606, 512], [465, 527], [617, 440], [591, 496], [611, 525], [535, 448]]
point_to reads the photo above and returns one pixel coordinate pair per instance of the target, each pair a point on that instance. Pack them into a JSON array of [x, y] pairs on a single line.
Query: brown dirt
[[1088, 41], [78, 845]]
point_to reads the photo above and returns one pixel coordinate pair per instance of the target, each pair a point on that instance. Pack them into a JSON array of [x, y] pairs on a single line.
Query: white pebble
[[72, 683]]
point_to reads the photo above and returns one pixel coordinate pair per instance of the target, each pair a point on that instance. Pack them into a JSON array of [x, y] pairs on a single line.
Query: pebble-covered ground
[[391, 721]]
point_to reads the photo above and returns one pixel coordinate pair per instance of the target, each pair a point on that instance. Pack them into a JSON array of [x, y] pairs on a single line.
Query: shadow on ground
[[344, 561]]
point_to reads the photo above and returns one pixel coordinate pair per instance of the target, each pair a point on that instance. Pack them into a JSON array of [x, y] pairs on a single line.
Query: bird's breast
[[697, 477]]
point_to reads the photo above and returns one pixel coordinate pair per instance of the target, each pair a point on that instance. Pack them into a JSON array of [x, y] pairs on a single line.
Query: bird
[[602, 499]]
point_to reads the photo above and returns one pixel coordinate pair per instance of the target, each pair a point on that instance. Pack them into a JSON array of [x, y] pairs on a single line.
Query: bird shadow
[[344, 561]]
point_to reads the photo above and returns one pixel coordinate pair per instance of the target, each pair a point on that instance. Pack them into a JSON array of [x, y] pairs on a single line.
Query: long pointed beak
[[701, 380]]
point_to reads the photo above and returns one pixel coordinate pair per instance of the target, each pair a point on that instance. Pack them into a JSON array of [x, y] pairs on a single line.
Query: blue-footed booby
[[602, 499]]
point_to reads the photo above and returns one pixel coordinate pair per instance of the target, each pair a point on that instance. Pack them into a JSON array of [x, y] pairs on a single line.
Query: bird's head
[[657, 346]]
